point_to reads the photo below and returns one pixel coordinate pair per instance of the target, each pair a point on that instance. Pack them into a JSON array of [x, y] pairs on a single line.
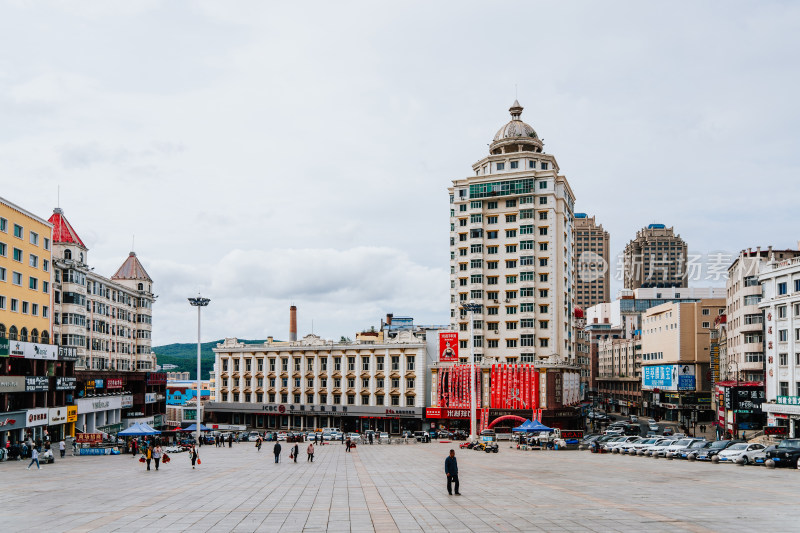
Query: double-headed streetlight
[[472, 307], [199, 303]]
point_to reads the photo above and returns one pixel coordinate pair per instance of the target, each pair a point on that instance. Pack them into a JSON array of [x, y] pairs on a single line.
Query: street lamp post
[[199, 303], [471, 307]]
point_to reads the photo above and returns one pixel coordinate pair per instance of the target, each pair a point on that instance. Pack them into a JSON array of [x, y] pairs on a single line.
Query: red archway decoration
[[506, 417]]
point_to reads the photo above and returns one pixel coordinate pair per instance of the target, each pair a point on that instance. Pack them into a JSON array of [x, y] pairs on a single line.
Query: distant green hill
[[184, 356]]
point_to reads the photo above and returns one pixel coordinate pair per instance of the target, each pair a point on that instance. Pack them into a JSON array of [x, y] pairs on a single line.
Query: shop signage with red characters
[[448, 346], [442, 412], [156, 378], [776, 430], [88, 438], [114, 383]]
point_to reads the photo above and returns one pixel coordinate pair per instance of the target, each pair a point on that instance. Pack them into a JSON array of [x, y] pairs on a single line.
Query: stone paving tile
[[397, 488]]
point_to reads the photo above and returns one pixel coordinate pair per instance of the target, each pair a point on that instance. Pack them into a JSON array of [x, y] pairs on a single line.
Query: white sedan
[[743, 451], [174, 449]]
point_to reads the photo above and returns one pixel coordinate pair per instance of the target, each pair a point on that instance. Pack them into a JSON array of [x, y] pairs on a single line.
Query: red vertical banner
[[459, 384], [495, 384], [502, 399], [492, 382], [535, 392], [439, 387], [511, 381], [450, 398], [509, 377], [464, 386], [517, 386], [465, 392], [513, 387], [526, 387], [505, 386], [524, 396]]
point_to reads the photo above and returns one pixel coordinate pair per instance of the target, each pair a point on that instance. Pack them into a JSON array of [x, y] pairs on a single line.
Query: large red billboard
[[448, 347], [514, 387]]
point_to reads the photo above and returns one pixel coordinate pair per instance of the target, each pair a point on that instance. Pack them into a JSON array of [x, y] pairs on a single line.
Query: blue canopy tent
[[193, 427], [523, 427], [138, 430], [538, 426]]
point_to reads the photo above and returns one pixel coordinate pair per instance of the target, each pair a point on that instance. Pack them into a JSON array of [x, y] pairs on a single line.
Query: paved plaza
[[396, 488]]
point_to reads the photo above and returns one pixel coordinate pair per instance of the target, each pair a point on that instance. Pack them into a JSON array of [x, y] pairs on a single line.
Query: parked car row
[[785, 453]]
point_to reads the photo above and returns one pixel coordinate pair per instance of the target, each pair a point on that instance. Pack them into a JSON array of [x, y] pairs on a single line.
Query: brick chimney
[[293, 323]]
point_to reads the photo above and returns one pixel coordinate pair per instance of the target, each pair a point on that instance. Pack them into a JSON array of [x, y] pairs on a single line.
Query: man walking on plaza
[[295, 452], [62, 448], [34, 458], [451, 470], [310, 452], [277, 451]]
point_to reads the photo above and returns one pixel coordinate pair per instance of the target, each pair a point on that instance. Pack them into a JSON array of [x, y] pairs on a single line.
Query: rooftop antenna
[[133, 242], [516, 95], [58, 197]]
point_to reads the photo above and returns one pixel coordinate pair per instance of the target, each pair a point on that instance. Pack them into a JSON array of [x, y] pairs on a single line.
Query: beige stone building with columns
[[314, 383]]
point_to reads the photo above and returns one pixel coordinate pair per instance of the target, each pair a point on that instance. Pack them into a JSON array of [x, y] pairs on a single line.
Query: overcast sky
[[301, 152]]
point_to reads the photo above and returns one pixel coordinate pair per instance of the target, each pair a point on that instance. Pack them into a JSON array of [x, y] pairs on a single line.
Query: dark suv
[[785, 453], [705, 454]]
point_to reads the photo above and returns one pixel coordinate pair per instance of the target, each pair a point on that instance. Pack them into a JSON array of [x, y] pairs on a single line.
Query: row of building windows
[[23, 335], [462, 208], [19, 233], [335, 399], [783, 287], [17, 255], [16, 279], [26, 308], [323, 383], [297, 363], [525, 340], [513, 164]]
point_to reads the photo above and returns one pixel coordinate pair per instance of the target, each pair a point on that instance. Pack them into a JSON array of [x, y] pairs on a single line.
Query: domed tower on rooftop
[[516, 135]]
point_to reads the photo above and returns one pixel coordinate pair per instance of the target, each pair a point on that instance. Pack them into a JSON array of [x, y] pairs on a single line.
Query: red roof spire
[[132, 269], [62, 229]]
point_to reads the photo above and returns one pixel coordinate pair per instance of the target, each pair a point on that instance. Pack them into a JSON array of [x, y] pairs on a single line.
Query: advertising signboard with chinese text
[[448, 347], [668, 377]]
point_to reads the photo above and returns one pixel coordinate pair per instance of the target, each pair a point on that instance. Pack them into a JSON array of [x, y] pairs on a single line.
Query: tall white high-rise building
[[511, 251]]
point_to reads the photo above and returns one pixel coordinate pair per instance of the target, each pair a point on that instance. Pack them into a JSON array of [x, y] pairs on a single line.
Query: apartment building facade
[[511, 251], [655, 258], [743, 359], [780, 280], [676, 344], [107, 320], [592, 272]]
